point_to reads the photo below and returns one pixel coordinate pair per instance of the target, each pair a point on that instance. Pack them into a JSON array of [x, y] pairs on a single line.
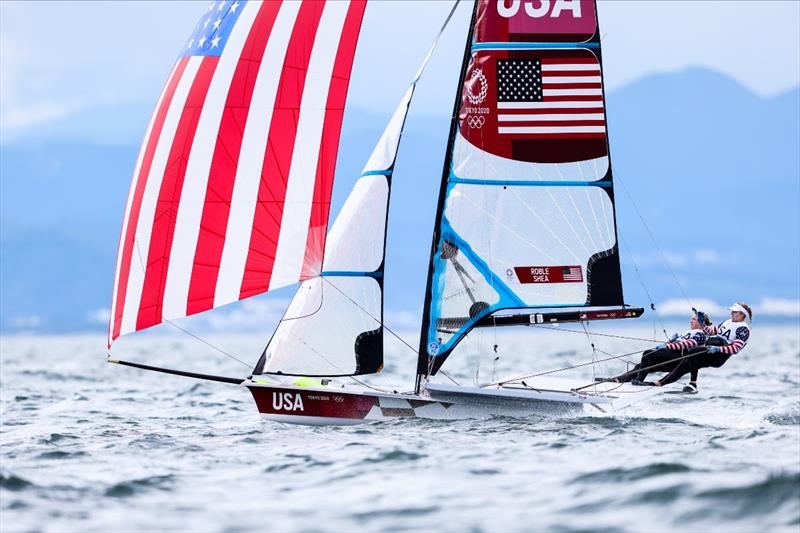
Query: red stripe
[[569, 61], [574, 98], [552, 111], [571, 73], [222, 173], [586, 85], [149, 147], [169, 197], [544, 123], [559, 135], [280, 146], [329, 145]]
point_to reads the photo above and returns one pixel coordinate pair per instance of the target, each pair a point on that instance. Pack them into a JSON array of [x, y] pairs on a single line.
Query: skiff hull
[[340, 405]]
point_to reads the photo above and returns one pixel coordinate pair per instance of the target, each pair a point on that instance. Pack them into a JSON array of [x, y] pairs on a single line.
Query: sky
[[61, 58]]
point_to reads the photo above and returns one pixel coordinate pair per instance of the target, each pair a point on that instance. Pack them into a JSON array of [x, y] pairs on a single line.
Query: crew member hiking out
[[725, 340], [666, 357]]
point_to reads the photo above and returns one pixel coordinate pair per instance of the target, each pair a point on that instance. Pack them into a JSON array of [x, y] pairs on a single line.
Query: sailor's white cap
[[738, 307]]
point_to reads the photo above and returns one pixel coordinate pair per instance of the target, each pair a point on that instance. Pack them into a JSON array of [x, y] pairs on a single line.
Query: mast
[[422, 361], [525, 218]]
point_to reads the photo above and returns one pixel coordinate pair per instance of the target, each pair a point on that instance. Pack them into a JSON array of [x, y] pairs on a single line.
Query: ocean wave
[[789, 416], [778, 494], [624, 475], [14, 483], [132, 487]]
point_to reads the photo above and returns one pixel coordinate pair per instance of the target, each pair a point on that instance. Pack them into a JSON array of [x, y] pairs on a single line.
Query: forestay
[[334, 325], [231, 190], [526, 214]]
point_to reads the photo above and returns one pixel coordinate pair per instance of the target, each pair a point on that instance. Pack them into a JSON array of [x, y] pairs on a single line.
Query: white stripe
[[303, 170], [251, 158], [573, 92], [535, 118], [571, 79], [570, 66], [548, 105], [144, 227], [554, 129], [193, 195], [134, 183]]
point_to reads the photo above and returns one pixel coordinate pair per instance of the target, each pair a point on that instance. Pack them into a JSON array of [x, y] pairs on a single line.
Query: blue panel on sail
[[526, 217]]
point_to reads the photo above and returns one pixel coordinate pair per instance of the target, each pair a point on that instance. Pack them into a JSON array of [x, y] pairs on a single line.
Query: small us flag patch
[[572, 273]]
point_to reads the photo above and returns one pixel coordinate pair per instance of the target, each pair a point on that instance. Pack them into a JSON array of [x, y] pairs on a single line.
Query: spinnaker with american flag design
[[231, 194]]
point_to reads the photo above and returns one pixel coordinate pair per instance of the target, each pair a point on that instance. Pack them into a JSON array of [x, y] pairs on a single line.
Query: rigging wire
[[217, 348], [656, 316], [380, 322], [176, 326], [686, 356], [543, 326], [579, 365], [653, 238]]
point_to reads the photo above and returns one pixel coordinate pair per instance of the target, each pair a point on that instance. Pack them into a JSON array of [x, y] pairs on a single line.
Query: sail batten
[[249, 121], [526, 214]]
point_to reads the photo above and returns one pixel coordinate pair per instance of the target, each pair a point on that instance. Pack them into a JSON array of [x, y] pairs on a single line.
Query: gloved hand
[[661, 346], [713, 349], [674, 337]]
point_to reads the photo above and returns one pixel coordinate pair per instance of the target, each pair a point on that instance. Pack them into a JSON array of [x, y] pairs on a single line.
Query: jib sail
[[526, 211], [334, 324]]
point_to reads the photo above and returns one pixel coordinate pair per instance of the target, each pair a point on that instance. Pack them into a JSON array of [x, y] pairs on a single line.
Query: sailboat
[[231, 195]]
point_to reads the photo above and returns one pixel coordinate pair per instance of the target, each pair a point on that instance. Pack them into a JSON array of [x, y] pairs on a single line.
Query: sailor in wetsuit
[[725, 340], [667, 357]]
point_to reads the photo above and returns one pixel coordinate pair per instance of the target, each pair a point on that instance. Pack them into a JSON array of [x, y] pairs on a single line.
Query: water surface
[[88, 446]]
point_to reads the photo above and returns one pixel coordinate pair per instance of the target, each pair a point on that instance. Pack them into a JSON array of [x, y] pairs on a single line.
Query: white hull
[[282, 400]]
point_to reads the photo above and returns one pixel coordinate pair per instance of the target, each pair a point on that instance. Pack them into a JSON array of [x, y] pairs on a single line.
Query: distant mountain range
[[713, 169]]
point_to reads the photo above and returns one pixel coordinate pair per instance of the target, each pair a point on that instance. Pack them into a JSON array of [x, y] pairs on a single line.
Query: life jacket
[[698, 335], [729, 331]]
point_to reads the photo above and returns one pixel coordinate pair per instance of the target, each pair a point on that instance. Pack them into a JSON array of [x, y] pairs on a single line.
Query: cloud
[[403, 320], [99, 316], [26, 322], [20, 118], [678, 260], [680, 307], [783, 307], [248, 315], [706, 256], [778, 307]]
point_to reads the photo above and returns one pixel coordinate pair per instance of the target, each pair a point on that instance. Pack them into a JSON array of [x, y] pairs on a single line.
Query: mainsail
[[526, 210], [334, 325], [231, 189]]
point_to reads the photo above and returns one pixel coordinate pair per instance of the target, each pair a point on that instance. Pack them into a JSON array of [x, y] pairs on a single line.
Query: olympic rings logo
[[476, 122]]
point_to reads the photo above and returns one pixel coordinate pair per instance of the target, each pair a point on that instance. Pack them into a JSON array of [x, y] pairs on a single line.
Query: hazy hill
[[713, 167]]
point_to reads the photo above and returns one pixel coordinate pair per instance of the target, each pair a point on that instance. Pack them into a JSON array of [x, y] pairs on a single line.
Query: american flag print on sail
[[538, 106], [572, 273], [551, 97], [231, 189]]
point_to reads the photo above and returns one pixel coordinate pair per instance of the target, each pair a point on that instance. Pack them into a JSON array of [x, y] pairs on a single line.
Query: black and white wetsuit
[[664, 360], [730, 336]]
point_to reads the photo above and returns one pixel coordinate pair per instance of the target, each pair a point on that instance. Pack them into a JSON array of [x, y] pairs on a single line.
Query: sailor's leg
[[713, 360], [693, 376], [692, 361], [656, 361], [683, 367], [631, 374]]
